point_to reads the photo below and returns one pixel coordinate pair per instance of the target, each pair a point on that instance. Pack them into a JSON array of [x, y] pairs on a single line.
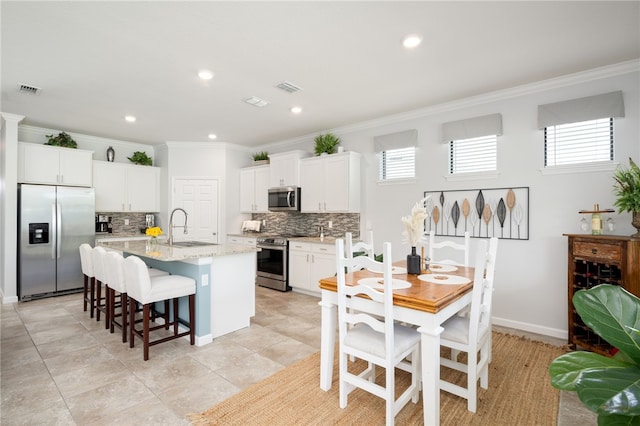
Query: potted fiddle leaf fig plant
[[326, 143], [608, 386], [627, 189]]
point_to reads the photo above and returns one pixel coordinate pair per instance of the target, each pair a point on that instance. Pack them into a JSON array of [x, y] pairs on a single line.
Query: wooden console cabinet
[[594, 260]]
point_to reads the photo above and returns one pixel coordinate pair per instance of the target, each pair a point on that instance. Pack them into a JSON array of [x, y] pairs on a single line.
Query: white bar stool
[[89, 288], [143, 289]]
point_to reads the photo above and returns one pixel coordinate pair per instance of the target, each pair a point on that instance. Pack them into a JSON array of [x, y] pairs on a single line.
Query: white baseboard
[[531, 328], [7, 300]]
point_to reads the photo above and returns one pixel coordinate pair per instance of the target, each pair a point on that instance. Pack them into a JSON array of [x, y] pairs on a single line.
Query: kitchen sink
[[189, 243]]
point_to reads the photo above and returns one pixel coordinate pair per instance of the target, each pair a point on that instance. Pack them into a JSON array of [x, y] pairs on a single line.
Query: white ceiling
[[99, 61]]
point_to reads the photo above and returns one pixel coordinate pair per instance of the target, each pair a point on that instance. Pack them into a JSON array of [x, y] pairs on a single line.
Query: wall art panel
[[484, 213]]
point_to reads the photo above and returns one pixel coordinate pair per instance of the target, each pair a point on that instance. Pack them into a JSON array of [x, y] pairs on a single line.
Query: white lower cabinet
[[308, 263]]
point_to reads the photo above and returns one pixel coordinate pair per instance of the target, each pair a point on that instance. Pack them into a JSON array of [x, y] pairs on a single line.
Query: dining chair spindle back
[[367, 330], [472, 333]]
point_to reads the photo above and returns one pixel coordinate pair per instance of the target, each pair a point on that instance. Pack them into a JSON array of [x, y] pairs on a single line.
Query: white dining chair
[[447, 247], [367, 331], [361, 248], [364, 248], [472, 333]]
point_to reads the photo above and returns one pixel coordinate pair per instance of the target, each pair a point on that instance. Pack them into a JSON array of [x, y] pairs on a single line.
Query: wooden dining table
[[424, 304]]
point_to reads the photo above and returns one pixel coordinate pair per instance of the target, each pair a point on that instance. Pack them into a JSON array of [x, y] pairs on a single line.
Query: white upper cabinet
[[54, 165], [254, 187], [331, 183], [284, 169], [126, 187]]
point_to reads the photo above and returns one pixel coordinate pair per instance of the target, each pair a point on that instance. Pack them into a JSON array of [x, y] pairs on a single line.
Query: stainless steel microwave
[[284, 199]]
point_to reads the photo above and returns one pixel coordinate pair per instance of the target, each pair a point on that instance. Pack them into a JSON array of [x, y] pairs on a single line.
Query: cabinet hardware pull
[[594, 250]]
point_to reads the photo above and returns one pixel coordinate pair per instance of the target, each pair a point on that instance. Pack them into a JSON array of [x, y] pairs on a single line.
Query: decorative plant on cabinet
[[627, 189]]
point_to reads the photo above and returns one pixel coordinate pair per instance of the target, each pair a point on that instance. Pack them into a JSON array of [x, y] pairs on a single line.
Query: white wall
[[198, 160], [531, 275]]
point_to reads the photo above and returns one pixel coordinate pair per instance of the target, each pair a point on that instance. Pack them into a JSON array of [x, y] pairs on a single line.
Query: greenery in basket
[[326, 143], [63, 139], [141, 157], [260, 156], [607, 386], [627, 188]]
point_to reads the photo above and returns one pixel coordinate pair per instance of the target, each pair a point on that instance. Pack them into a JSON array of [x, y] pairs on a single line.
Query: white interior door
[[199, 198]]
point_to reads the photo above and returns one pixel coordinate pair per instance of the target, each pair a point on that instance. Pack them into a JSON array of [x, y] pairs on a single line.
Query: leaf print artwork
[[455, 216], [479, 209], [486, 212], [502, 215]]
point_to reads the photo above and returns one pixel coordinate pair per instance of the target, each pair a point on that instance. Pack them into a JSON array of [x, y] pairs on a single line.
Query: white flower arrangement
[[414, 223]]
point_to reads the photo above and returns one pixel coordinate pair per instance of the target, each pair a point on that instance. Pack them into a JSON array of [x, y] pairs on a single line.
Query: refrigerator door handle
[[58, 231], [52, 236]]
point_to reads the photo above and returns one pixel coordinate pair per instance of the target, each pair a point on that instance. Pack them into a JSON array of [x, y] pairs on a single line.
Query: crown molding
[[621, 68]]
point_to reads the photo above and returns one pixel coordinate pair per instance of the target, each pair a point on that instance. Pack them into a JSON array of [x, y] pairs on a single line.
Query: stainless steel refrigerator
[[52, 223]]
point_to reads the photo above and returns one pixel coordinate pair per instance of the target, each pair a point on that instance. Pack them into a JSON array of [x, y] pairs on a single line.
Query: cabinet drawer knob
[[594, 250]]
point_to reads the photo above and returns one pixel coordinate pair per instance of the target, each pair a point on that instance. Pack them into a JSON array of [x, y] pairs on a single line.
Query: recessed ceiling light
[[205, 75], [130, 118], [212, 136], [411, 41], [296, 109]]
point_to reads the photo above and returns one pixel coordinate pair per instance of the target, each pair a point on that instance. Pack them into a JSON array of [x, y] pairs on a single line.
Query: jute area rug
[[519, 394]]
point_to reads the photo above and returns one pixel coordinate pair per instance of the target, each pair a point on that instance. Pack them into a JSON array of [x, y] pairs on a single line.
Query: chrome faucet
[[321, 230], [171, 224]]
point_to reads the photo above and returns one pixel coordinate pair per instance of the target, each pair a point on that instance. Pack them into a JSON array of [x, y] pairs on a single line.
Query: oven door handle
[[265, 246]]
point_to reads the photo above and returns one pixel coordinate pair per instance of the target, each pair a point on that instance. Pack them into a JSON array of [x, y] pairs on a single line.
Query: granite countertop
[[124, 236], [164, 252]]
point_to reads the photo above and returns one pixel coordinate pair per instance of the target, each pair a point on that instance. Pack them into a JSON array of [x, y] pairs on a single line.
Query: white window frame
[[396, 176]]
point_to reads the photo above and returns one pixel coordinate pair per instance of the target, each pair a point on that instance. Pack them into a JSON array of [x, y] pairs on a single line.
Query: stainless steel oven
[[273, 258]]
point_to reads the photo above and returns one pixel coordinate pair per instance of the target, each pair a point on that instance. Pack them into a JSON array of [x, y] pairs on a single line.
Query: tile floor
[[59, 367]]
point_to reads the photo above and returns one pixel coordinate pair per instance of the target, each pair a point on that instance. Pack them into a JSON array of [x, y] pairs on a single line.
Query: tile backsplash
[[136, 222], [307, 223], [276, 223]]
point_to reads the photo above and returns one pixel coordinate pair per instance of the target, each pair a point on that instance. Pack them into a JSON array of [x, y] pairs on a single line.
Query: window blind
[[473, 155], [582, 142], [397, 163]]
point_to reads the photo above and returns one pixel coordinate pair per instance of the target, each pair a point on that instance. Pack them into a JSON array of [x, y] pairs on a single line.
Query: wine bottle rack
[[595, 260]]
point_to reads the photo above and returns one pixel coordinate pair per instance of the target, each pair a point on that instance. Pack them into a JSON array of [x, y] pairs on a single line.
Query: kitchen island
[[225, 281]]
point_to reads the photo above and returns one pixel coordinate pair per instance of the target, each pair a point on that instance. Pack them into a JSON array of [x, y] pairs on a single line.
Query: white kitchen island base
[[233, 293]]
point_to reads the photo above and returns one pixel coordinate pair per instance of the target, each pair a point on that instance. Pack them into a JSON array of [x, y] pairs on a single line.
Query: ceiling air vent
[[257, 102], [32, 90], [288, 86]]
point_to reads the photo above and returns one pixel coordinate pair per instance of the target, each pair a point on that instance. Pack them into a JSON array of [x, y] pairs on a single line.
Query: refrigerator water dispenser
[[38, 233]]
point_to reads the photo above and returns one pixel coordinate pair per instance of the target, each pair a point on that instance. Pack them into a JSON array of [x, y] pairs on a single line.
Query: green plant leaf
[[614, 314], [611, 390], [566, 369], [617, 420], [604, 385]]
